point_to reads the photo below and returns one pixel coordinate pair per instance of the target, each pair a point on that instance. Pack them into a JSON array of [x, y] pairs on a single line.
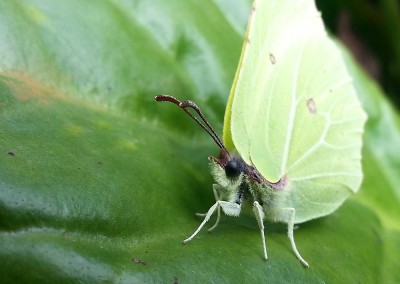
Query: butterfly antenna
[[189, 104]]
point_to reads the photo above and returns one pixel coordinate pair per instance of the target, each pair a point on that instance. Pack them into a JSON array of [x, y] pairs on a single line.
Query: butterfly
[[293, 125]]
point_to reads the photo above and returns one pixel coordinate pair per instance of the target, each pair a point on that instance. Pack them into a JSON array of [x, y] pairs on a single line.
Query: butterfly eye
[[232, 169]]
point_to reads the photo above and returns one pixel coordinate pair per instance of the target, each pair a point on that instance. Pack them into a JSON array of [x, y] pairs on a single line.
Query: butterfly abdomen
[[269, 198]]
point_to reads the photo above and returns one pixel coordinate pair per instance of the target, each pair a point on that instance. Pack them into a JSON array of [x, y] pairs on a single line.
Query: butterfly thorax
[[242, 183]]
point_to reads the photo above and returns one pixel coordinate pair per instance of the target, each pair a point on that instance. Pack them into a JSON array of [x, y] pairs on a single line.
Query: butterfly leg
[[229, 208], [216, 187], [286, 215], [215, 190], [258, 211]]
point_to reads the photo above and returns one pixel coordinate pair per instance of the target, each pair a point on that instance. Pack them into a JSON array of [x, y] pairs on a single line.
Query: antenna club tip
[[158, 98], [167, 98]]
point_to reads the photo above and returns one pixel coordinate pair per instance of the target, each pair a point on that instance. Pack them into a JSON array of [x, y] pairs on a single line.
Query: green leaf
[[98, 183]]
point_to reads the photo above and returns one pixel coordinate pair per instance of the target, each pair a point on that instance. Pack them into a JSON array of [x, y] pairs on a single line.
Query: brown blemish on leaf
[[137, 260], [312, 107], [11, 154], [24, 88]]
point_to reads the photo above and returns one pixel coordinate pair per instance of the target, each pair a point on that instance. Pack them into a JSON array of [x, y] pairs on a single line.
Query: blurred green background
[[371, 30]]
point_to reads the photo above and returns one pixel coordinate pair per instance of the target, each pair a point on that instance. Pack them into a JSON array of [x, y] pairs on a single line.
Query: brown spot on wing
[[272, 58], [312, 107]]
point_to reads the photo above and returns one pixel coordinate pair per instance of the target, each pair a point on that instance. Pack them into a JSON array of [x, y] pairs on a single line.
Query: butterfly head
[[227, 169]]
